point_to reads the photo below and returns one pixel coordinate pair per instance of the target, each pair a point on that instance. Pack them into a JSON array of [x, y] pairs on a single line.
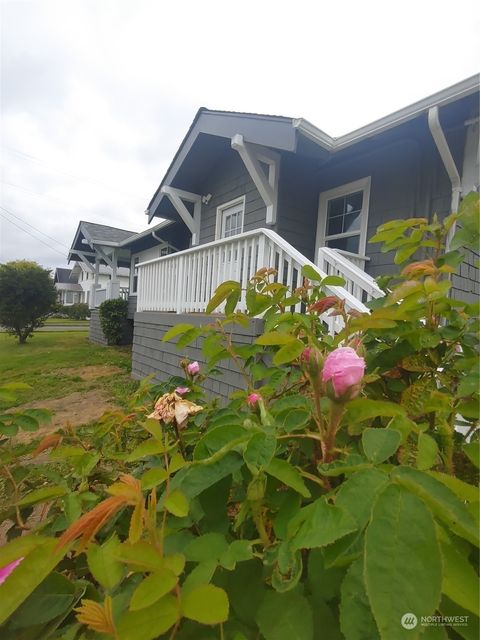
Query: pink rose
[[193, 368], [8, 569], [311, 359], [252, 399], [345, 369], [181, 391]]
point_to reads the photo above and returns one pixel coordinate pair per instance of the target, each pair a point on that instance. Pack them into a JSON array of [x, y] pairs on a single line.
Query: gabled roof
[[62, 275], [103, 234], [287, 134]]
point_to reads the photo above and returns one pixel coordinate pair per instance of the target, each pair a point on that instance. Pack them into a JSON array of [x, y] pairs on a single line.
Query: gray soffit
[[281, 133], [143, 234]]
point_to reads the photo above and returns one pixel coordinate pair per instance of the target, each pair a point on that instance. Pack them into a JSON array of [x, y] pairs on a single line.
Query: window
[[342, 217], [230, 218]]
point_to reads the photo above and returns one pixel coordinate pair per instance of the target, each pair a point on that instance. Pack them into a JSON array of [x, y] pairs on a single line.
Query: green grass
[[37, 363], [64, 321]]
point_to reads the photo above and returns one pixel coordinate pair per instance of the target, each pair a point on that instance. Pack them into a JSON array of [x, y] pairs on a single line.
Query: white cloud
[[100, 94]]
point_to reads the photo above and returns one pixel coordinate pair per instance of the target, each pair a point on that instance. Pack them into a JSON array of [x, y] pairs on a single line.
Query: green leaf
[[353, 462], [140, 556], [210, 546], [201, 574], [40, 558], [472, 450], [287, 474], [358, 493], [324, 523], [201, 475], [285, 616], [206, 604], [176, 330], [311, 273], [177, 504], [54, 596], [362, 409], [152, 588], [103, 563], [461, 489], [149, 623], [443, 502], [260, 449], [460, 581], [380, 444], [153, 477], [42, 495], [427, 452], [275, 338], [25, 422], [238, 551], [288, 352], [356, 619], [148, 448], [403, 565], [42, 416], [221, 294], [333, 281], [469, 409]]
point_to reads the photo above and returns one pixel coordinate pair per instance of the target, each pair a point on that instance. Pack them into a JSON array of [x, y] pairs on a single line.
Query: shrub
[[332, 498], [78, 311], [113, 317], [27, 296]]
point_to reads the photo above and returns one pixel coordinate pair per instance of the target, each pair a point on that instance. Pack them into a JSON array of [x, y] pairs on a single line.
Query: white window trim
[[220, 210], [358, 185]]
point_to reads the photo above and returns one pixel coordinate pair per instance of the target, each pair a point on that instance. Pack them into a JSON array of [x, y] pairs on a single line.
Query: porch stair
[[184, 282]]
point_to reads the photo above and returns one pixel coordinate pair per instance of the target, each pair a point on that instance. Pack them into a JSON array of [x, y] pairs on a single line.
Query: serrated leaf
[[443, 502], [288, 352], [103, 564], [324, 524], [311, 273], [289, 475], [460, 581], [380, 444], [148, 448], [176, 503], [333, 281], [362, 409], [152, 588], [206, 604], [210, 546], [403, 565], [356, 619], [177, 330], [274, 338], [153, 477], [42, 495], [149, 623], [26, 422], [284, 616], [358, 493], [260, 449], [427, 452]]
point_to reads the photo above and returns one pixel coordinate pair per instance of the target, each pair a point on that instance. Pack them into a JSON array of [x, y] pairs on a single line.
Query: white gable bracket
[[267, 187], [176, 197], [104, 256], [82, 257]]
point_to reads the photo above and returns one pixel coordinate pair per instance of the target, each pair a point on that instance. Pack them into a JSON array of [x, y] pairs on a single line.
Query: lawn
[[42, 362], [66, 321]]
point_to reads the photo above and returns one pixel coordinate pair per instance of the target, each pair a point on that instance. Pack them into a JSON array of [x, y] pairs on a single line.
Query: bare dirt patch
[[91, 372], [74, 410]]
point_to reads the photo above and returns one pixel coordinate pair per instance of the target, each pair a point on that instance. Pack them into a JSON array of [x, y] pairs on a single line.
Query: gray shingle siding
[[96, 334], [228, 181], [151, 355]]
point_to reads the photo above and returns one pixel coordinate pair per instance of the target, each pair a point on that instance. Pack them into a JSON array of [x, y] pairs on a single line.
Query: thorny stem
[[336, 413], [20, 521]]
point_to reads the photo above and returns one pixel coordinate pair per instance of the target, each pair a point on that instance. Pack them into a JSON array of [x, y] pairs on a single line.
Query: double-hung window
[[343, 217], [230, 218]]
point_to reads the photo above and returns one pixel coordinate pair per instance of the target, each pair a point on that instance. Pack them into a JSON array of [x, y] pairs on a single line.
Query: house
[[85, 278], [68, 290], [246, 190]]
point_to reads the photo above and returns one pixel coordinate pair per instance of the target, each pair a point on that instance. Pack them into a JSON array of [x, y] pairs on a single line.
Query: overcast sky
[[97, 95]]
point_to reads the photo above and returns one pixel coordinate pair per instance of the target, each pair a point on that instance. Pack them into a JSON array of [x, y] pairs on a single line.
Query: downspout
[[154, 235], [449, 164]]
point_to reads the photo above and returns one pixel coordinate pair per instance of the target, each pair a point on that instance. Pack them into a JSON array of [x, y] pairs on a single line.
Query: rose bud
[[193, 368], [252, 399], [345, 369]]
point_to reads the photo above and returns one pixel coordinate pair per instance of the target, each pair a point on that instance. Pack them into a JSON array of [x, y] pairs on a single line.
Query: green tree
[[27, 296]]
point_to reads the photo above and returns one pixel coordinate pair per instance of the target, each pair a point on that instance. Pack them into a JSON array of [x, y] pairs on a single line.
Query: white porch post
[[95, 285], [113, 287]]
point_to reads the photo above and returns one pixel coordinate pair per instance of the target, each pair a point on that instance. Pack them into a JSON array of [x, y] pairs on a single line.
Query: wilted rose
[[172, 406], [345, 369]]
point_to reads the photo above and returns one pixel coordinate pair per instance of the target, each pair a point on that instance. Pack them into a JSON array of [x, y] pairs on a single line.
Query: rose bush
[[334, 495]]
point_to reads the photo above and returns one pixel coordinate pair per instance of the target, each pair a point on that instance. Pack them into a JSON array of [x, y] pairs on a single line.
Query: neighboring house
[[246, 191], [68, 290], [102, 271]]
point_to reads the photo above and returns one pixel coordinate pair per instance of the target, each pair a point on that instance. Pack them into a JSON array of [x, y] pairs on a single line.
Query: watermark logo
[[409, 621]]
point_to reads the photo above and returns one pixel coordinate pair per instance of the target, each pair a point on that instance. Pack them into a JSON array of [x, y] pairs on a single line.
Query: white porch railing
[[185, 281], [350, 267]]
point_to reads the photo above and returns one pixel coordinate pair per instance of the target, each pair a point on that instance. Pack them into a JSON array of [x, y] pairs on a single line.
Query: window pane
[[334, 225], [347, 244], [336, 207], [351, 222], [354, 202]]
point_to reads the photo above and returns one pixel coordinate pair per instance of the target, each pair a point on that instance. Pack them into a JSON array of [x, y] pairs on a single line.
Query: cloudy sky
[[97, 95]]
